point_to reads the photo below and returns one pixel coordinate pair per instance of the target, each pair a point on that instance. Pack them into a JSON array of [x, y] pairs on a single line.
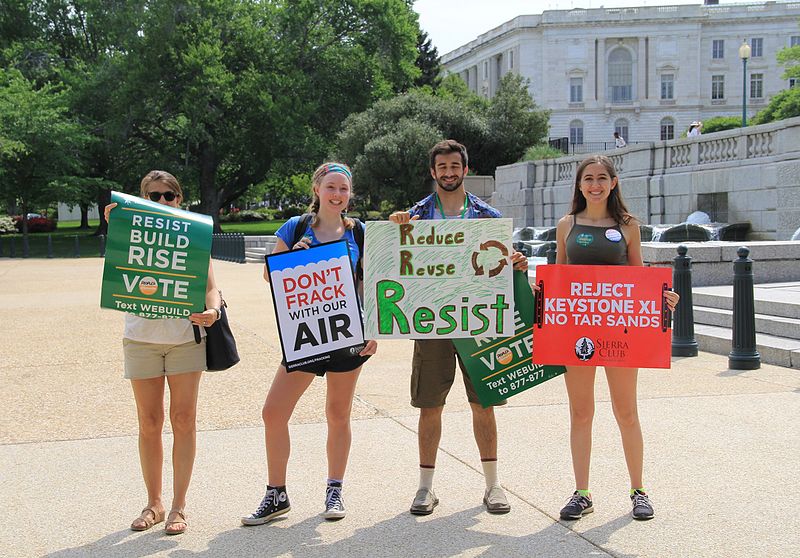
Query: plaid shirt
[[476, 208]]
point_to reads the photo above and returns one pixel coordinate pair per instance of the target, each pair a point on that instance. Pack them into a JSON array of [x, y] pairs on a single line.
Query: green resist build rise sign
[[438, 279], [156, 259]]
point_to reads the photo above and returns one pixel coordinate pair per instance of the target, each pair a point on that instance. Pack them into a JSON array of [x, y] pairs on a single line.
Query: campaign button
[[613, 235]]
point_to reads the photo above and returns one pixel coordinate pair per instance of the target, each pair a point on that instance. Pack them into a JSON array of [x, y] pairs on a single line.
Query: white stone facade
[[744, 175], [636, 70]]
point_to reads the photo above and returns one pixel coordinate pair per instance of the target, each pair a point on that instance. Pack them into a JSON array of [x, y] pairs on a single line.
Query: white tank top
[[166, 331]]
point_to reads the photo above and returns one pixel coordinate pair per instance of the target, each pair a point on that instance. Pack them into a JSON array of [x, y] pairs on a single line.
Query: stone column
[[641, 71], [601, 72]]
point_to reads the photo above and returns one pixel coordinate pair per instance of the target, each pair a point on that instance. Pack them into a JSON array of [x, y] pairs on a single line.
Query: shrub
[[36, 224], [541, 151], [290, 211], [230, 217], [249, 216], [720, 123], [7, 225]]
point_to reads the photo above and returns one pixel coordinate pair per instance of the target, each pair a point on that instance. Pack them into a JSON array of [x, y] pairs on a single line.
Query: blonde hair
[[316, 179], [164, 178]]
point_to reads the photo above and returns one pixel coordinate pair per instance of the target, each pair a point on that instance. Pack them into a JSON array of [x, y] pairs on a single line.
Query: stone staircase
[[777, 321], [256, 247]]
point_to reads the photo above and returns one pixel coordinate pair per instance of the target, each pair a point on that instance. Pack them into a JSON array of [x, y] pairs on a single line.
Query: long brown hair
[[615, 204], [316, 180]]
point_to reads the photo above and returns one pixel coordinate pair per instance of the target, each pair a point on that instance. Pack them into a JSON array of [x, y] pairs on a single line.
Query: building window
[[576, 132], [576, 90], [667, 129], [756, 48], [793, 82], [717, 87], [718, 49], [795, 40], [485, 69], [756, 86], [510, 59], [620, 76], [667, 86], [621, 127]]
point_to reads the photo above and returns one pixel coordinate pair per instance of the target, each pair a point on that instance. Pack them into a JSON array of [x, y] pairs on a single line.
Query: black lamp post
[[744, 54]]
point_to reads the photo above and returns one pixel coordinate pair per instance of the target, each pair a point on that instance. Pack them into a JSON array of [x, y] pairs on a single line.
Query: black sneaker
[[334, 505], [577, 507], [275, 503], [642, 508]]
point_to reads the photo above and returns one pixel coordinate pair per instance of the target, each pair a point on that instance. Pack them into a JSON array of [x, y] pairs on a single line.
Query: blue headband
[[334, 167]]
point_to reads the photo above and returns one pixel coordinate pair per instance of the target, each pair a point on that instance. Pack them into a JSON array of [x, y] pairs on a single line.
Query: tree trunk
[[209, 196], [84, 216], [103, 199]]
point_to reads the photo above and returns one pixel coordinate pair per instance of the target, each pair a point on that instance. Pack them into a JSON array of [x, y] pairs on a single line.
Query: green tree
[[227, 91], [427, 62], [515, 123], [387, 145], [785, 104], [44, 162]]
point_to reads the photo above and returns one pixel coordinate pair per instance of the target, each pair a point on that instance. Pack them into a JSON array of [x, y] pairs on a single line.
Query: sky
[[453, 24]]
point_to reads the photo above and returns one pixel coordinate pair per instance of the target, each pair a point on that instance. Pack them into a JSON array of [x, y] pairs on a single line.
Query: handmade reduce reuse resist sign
[[502, 367], [596, 315], [438, 279], [314, 292], [156, 259]]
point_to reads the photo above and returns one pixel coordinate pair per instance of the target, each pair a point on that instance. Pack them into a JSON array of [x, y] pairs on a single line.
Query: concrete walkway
[[722, 450]]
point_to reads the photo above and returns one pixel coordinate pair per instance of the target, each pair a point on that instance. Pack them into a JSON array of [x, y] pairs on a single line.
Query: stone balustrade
[[747, 174]]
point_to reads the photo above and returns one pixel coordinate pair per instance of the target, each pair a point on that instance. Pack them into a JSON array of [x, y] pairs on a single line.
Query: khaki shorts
[[151, 360], [433, 371]]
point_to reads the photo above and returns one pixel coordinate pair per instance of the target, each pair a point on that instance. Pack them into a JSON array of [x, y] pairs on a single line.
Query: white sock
[[426, 477], [490, 473]]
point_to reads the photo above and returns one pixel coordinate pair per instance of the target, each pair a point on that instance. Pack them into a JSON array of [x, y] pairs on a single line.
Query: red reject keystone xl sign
[[597, 315]]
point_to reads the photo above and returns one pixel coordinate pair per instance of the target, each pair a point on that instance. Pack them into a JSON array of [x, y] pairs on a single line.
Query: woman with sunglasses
[[165, 351], [332, 189]]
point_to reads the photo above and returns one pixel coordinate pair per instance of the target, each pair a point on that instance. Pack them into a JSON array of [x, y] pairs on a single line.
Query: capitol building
[[645, 72]]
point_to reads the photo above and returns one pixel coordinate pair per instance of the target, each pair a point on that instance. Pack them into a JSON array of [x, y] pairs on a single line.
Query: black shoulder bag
[[221, 352]]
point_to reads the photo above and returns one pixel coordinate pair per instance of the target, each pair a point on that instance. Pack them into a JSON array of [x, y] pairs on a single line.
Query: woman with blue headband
[[332, 190]]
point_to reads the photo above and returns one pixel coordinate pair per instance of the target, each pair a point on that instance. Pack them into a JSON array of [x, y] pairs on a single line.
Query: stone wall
[[744, 175]]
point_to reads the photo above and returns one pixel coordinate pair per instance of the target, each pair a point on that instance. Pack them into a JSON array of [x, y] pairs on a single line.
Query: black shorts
[[336, 365]]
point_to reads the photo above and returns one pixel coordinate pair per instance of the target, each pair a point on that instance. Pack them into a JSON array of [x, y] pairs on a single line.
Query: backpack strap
[[300, 229], [358, 235]]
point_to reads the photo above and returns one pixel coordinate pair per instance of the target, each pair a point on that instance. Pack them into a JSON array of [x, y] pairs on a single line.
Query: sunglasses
[[155, 196]]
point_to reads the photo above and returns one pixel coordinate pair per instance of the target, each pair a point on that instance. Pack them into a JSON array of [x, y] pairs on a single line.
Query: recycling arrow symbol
[[502, 262]]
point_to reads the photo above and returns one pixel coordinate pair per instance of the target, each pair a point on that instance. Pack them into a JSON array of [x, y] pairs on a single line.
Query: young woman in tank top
[[599, 230]]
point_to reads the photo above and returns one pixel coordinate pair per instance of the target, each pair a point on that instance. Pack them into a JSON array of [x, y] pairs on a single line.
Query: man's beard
[[450, 187]]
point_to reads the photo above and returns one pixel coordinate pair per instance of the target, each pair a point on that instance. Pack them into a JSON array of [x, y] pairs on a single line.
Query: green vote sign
[[156, 259], [500, 367]]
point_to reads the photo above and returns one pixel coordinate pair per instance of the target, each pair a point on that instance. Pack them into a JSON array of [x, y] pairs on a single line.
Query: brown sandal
[[172, 521], [148, 517]]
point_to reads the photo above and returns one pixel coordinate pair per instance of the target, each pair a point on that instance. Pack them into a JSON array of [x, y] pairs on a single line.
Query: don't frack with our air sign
[[316, 304], [156, 259], [438, 279]]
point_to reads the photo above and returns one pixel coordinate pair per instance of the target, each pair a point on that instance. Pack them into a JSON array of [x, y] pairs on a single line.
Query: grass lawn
[[256, 228]]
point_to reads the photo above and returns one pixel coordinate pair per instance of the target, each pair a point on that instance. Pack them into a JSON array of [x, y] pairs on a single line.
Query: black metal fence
[[52, 246], [567, 148], [228, 247]]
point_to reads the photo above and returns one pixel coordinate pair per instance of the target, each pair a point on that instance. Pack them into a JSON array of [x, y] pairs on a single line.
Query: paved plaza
[[722, 450]]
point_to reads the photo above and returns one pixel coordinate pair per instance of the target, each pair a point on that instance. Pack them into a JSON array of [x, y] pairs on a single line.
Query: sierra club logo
[[584, 239], [584, 348]]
